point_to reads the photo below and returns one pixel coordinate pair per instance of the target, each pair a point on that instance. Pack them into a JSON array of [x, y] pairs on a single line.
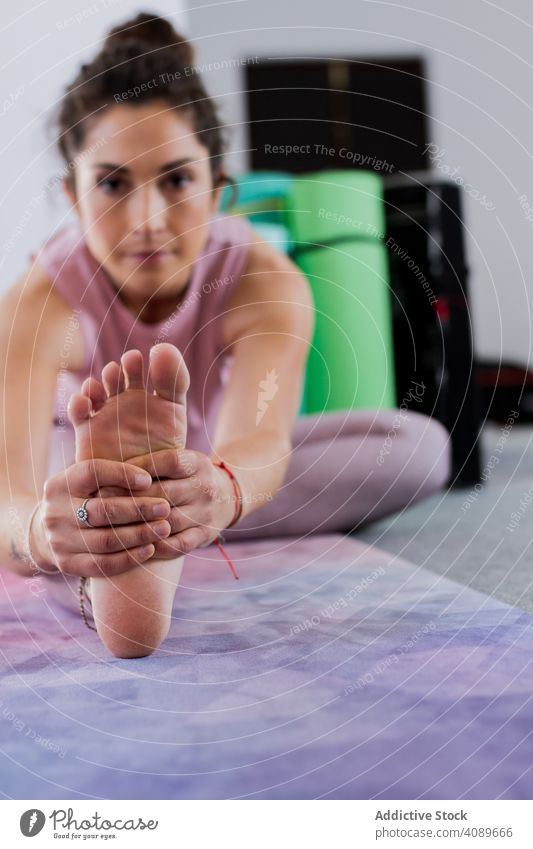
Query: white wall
[[480, 82], [42, 46]]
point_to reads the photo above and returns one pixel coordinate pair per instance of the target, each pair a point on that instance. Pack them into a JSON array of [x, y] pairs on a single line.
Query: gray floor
[[471, 535]]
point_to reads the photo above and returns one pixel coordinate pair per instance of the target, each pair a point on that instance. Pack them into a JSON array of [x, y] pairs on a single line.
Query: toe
[[113, 379], [94, 390], [168, 372], [133, 367], [79, 409]]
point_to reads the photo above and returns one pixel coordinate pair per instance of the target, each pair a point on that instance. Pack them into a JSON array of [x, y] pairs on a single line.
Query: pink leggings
[[349, 468]]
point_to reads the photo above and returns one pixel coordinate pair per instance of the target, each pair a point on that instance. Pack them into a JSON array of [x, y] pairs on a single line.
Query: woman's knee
[[430, 451]]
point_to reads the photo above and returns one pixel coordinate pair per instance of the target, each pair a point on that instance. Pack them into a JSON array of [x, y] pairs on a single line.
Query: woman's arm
[[32, 320], [34, 323], [268, 328]]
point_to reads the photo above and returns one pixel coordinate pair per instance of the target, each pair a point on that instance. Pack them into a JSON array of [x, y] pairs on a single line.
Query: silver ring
[[82, 514]]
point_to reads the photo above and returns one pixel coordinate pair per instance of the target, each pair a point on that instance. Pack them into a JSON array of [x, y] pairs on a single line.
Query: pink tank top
[[108, 328]]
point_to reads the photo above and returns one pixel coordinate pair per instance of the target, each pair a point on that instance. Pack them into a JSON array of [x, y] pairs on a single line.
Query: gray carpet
[[480, 537]]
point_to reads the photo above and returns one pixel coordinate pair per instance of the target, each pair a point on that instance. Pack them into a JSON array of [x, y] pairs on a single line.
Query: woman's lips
[[150, 257]]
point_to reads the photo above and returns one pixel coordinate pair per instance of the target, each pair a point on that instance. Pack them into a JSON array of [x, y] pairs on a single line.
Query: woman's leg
[[133, 611], [352, 467]]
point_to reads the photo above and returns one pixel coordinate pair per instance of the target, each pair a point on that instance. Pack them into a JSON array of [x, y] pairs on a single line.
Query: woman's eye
[[110, 184], [176, 181]]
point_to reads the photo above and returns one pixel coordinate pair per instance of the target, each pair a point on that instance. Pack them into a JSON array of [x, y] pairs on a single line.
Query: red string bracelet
[[231, 566], [237, 514]]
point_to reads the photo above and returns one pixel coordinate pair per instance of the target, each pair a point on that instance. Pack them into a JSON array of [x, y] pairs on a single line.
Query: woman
[[106, 500]]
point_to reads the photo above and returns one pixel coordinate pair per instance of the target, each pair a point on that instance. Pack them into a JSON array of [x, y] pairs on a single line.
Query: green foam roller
[[337, 223], [350, 364]]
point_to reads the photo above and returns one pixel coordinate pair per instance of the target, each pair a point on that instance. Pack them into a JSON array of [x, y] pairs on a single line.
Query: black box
[[432, 324]]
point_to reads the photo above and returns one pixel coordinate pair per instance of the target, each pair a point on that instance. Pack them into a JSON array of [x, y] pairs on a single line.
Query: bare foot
[[119, 420]]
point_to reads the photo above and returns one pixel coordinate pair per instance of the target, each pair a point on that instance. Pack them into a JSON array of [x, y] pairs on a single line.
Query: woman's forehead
[[144, 136]]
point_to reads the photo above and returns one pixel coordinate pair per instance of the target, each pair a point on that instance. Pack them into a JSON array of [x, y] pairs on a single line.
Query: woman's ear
[[68, 188], [216, 198], [219, 186]]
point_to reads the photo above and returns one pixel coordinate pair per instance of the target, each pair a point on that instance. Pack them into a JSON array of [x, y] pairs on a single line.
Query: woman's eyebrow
[[123, 168]]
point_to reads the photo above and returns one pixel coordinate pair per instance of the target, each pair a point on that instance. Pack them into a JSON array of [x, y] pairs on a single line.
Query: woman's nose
[[148, 210]]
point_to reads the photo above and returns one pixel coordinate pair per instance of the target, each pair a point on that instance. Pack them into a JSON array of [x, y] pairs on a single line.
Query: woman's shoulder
[[236, 231], [235, 235], [227, 228], [269, 279], [34, 295], [261, 255], [35, 285], [60, 250]]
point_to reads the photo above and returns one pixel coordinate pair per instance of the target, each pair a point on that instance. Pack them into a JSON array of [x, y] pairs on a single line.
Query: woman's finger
[[168, 549], [124, 510], [182, 543], [85, 477], [182, 517], [107, 565], [109, 540], [106, 491], [168, 463], [174, 491]]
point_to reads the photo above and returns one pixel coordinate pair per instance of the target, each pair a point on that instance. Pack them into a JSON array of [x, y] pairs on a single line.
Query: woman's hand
[[200, 495], [126, 527]]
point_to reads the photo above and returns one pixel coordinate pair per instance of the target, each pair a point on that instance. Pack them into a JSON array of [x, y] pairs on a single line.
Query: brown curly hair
[[145, 48]]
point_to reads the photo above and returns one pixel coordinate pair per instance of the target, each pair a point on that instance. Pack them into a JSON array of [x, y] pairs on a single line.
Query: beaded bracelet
[[27, 545], [81, 590]]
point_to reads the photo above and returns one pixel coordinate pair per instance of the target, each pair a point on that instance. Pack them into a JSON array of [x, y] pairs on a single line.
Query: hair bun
[[150, 29]]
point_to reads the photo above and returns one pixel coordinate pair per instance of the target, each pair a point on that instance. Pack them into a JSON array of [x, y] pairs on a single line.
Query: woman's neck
[[156, 309]]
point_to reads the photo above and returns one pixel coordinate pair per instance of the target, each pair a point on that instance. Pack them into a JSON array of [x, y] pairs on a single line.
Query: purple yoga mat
[[331, 669]]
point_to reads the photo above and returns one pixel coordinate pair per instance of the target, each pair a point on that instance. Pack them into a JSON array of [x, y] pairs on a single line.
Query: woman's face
[[143, 186]]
